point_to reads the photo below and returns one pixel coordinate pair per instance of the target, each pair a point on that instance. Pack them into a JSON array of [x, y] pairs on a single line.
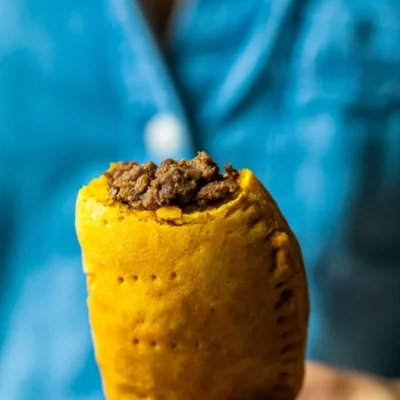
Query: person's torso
[[293, 90]]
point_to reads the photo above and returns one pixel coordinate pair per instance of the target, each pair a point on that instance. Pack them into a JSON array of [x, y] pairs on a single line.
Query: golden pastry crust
[[203, 305]]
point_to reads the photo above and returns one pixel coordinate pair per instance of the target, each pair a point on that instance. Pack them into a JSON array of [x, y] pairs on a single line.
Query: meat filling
[[195, 183]]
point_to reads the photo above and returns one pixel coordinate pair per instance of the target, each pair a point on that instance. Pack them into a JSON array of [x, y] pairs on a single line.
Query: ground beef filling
[[195, 183]]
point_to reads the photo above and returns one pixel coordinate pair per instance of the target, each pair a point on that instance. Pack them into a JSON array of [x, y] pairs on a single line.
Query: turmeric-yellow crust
[[208, 305]]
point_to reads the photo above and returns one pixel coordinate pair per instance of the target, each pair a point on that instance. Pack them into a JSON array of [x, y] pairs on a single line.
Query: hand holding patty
[[326, 383]]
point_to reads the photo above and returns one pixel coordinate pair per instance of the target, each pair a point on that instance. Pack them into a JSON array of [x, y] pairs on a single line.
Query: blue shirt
[[306, 93]]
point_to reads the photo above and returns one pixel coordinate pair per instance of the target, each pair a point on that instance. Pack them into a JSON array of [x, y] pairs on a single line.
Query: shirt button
[[164, 136]]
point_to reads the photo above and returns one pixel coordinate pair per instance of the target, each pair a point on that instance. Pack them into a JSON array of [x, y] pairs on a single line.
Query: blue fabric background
[[304, 92]]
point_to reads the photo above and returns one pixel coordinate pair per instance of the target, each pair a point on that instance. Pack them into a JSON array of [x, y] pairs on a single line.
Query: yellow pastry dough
[[206, 305]]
